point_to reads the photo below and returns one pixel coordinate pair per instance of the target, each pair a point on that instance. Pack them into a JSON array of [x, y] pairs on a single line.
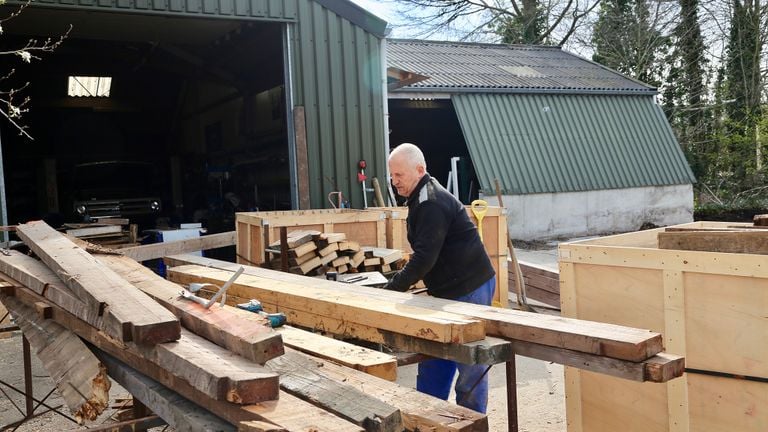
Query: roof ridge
[[475, 44]]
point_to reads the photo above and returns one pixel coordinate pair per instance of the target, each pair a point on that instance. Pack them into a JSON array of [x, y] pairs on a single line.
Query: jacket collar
[[415, 194]]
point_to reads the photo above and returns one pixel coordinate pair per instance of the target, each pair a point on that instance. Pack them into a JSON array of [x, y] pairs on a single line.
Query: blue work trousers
[[435, 376]]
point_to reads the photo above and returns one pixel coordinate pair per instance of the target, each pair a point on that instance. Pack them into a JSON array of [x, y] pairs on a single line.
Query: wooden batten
[[159, 250], [129, 314]]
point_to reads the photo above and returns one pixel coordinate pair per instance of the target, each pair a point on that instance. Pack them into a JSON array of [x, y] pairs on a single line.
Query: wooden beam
[[620, 342], [209, 369], [302, 158], [159, 250], [295, 414], [178, 412], [259, 426], [35, 275], [78, 375], [302, 377], [415, 321], [356, 357], [96, 230], [659, 368], [747, 242], [130, 316], [420, 412], [252, 338], [213, 370]]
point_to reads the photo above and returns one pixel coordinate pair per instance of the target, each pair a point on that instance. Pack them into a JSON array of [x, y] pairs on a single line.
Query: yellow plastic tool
[[479, 209]]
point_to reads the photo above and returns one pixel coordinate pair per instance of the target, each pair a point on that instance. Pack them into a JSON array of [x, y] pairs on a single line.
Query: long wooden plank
[[620, 342], [208, 368], [402, 318], [363, 359], [95, 231], [487, 351], [178, 412], [159, 250], [77, 373], [302, 377], [253, 339], [129, 314], [751, 242]]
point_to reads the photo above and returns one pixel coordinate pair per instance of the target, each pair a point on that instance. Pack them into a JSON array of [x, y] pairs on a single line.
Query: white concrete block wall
[[577, 214]]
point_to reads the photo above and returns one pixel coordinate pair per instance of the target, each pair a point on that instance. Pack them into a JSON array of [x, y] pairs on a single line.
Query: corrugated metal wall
[[338, 79], [538, 143], [283, 10]]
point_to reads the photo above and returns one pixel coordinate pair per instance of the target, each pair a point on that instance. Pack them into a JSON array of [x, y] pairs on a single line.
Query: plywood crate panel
[[379, 226], [710, 307]]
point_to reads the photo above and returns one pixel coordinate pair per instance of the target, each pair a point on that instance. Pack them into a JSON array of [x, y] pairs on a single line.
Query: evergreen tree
[[742, 89], [625, 39], [527, 27], [685, 101]]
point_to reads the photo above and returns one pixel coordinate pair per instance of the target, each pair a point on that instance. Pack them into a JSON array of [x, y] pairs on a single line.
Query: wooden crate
[[710, 307], [257, 229], [381, 227]]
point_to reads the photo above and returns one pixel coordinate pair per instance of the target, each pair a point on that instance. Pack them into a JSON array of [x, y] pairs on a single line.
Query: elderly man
[[451, 260]]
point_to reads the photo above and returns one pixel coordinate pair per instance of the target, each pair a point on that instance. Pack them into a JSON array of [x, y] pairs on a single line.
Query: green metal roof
[[546, 143]]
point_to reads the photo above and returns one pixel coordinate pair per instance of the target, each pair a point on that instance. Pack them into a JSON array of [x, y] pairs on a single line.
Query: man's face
[[405, 176]]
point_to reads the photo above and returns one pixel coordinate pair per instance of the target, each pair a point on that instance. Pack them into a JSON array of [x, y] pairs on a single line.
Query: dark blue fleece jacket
[[447, 252]]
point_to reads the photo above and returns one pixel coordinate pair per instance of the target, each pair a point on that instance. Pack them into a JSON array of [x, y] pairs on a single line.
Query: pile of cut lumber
[[115, 233], [88, 316], [316, 253]]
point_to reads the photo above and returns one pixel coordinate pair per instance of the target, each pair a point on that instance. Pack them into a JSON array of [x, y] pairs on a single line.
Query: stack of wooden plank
[[315, 253], [115, 233], [383, 260], [542, 283], [219, 372], [69, 293]]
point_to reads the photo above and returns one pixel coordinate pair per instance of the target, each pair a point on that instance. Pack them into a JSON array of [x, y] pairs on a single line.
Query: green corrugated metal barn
[[578, 149], [234, 104]]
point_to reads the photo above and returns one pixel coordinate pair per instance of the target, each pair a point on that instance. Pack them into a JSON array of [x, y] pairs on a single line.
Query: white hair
[[410, 153]]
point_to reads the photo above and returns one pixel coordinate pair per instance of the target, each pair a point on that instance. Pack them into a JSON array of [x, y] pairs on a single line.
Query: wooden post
[[302, 163], [284, 249], [27, 375], [511, 395]]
